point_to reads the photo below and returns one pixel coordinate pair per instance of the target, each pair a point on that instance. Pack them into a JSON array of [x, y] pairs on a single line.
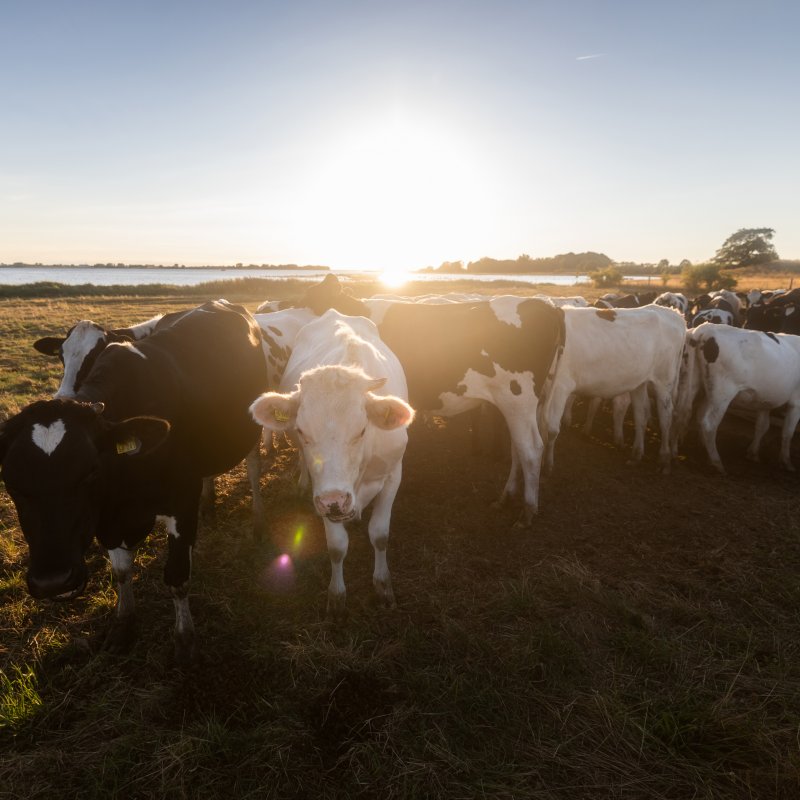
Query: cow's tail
[[689, 386], [558, 350]]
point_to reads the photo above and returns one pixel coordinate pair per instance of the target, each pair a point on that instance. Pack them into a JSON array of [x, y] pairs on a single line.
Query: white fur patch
[[170, 524], [48, 438], [130, 347]]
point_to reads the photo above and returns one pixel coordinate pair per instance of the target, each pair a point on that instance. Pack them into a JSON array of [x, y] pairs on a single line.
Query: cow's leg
[[760, 427], [551, 416], [338, 541], [208, 498], [639, 400], [708, 420], [527, 441], [790, 420], [620, 405], [253, 462], [511, 489], [379, 531], [566, 418], [181, 535], [122, 633], [591, 413], [665, 409]]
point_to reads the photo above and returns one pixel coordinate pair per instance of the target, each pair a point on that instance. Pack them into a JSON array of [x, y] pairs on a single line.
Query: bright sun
[[395, 194]]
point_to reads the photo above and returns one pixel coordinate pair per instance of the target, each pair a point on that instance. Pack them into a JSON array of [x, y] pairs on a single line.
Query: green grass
[[637, 643]]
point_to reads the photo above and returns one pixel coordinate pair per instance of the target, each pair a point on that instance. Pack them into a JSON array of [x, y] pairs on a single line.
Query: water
[[190, 276]]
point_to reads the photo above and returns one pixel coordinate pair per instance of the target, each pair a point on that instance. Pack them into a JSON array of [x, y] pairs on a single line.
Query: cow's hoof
[[337, 608], [120, 636], [525, 520], [185, 650], [385, 593], [505, 500]]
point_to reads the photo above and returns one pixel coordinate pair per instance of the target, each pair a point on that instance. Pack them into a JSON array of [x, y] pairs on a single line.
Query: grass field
[[642, 641]]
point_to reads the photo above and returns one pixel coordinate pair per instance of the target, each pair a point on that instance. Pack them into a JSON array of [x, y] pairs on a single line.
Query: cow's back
[[200, 374], [438, 345]]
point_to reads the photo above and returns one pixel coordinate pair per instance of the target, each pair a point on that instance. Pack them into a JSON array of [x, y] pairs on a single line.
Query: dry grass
[[641, 642]]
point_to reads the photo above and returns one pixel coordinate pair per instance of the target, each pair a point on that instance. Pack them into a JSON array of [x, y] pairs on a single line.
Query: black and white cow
[[85, 340], [149, 421], [344, 397], [460, 355], [610, 352], [78, 351], [752, 370]]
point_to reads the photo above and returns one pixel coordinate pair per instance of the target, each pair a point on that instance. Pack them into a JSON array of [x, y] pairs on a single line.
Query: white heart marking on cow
[[48, 437]]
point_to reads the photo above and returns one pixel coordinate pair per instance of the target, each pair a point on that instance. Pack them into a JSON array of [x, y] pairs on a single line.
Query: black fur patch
[[608, 314], [774, 338], [515, 388], [710, 350]]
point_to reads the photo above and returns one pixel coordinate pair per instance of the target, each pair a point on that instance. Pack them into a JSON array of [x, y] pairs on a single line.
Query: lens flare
[[279, 576]]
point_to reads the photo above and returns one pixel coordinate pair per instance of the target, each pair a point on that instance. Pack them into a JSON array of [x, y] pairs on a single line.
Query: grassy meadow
[[641, 641]]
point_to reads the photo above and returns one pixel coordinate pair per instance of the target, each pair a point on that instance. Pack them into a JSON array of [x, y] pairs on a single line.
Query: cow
[[752, 370], [344, 396], [713, 315], [78, 351], [625, 301], [674, 300], [721, 300], [149, 421], [459, 355], [609, 352], [85, 340]]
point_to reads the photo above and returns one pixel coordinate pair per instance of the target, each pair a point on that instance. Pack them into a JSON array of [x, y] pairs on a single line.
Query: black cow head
[[58, 458]]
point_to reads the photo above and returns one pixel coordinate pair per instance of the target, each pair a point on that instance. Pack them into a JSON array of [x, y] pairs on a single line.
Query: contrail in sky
[[593, 55]]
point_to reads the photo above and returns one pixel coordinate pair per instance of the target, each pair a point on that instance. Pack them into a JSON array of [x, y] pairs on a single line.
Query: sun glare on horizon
[[394, 194]]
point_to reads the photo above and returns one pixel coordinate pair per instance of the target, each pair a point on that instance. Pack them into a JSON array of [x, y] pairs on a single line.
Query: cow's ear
[[388, 412], [6, 438], [373, 384], [274, 411], [136, 436], [49, 345]]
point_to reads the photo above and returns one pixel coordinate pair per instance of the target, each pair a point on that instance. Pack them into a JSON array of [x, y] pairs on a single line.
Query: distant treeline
[[120, 265], [564, 264]]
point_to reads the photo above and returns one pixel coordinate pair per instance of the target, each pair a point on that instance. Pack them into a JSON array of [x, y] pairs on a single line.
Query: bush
[[708, 276], [607, 277]]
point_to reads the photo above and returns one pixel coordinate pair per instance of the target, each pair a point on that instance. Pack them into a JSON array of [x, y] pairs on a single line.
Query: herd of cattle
[[146, 416]]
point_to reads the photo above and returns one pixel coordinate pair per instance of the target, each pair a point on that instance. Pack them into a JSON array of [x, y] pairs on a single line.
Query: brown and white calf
[[344, 397]]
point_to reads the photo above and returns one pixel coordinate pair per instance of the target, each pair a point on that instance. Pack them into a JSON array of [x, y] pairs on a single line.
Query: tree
[[606, 277], [746, 247], [709, 274]]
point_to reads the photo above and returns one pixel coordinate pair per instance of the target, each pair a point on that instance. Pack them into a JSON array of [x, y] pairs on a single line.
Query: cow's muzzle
[[336, 506]]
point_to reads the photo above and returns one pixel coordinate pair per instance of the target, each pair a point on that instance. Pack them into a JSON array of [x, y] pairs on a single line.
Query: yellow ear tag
[[127, 446], [280, 416]]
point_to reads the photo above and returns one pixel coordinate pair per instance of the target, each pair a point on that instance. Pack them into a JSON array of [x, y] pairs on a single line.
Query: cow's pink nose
[[334, 504]]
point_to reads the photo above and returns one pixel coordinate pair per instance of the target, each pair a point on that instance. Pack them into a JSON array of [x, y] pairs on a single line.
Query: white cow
[[749, 369], [612, 351], [674, 300], [343, 394]]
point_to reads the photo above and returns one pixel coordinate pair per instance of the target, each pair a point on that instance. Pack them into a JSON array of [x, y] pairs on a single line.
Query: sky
[[395, 135]]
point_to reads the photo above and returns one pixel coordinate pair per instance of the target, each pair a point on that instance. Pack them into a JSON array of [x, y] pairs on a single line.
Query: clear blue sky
[[395, 134]]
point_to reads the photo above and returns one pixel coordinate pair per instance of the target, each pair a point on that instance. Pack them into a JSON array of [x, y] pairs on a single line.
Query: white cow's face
[[337, 420], [79, 351]]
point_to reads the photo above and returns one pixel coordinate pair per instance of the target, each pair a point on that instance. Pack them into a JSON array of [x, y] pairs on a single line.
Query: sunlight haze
[[373, 135]]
